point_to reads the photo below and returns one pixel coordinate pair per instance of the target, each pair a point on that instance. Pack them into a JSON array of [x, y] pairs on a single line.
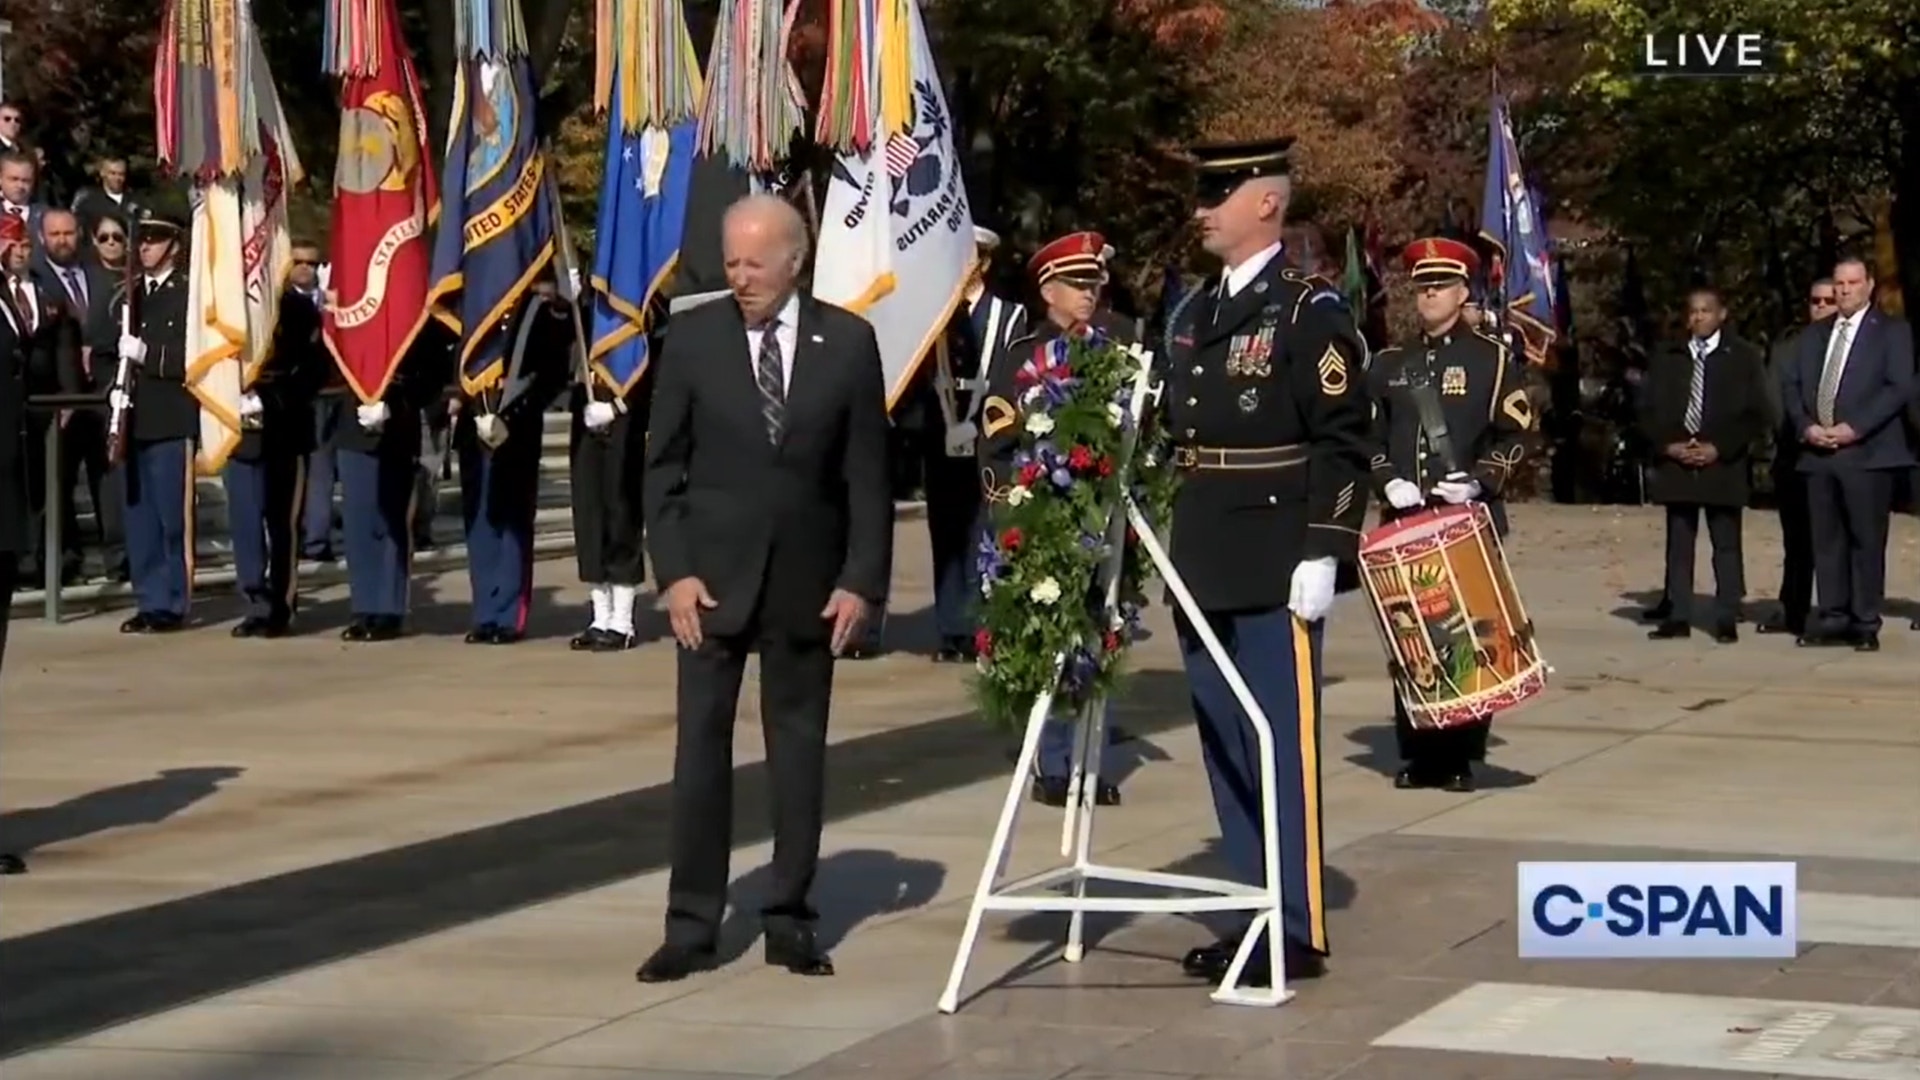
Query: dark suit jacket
[[1875, 389], [1734, 411], [15, 506], [771, 530], [92, 204]]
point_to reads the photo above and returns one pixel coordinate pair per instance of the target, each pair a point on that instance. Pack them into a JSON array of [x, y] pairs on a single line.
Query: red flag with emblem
[[384, 197]]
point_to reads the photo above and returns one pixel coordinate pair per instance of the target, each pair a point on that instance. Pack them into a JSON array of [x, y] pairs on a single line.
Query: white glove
[[1458, 488], [1403, 494], [250, 405], [132, 349], [962, 439], [1312, 594], [119, 401], [373, 417], [597, 415], [491, 429]]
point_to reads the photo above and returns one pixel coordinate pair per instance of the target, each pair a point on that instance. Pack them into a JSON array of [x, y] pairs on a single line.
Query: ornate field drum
[[1459, 643]]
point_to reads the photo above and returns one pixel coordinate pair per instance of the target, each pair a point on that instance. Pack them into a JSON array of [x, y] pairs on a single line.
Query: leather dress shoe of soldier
[[587, 640], [671, 963], [1416, 776], [493, 634], [1053, 791], [1778, 624], [1727, 633], [1669, 631], [261, 627], [12, 864], [1822, 639], [955, 650], [1914, 625], [615, 641], [370, 628], [796, 950], [1867, 642], [1210, 962], [152, 622]]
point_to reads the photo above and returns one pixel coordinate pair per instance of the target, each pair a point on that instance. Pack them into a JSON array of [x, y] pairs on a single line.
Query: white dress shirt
[[1239, 277], [1708, 344], [32, 312], [786, 330]]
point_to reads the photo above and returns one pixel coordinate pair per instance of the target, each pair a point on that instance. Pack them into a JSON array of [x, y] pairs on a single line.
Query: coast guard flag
[[896, 231], [497, 214], [1511, 222], [643, 214]]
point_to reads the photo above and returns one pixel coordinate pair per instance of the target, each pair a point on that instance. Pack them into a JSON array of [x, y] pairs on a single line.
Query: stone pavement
[[300, 859]]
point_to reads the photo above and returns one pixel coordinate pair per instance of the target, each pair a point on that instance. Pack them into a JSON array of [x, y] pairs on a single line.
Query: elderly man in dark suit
[[1846, 393], [770, 523]]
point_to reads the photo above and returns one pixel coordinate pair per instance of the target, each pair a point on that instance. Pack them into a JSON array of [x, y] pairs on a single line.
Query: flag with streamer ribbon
[[496, 233], [1510, 221], [896, 233], [220, 124]]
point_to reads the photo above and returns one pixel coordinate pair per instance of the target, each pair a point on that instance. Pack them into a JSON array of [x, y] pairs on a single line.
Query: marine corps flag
[[896, 231], [384, 197], [220, 124], [497, 215]]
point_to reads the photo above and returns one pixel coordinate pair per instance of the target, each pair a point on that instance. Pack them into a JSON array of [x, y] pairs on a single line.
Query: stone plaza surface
[[302, 860]]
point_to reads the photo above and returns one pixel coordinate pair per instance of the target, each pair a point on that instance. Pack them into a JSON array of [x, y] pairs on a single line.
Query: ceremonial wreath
[[1042, 590]]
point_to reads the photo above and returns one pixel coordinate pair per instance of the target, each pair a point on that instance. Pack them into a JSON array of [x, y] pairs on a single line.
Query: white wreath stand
[[1065, 888]]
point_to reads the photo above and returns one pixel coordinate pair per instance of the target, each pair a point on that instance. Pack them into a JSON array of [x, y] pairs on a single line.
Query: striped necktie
[[770, 373], [1697, 389]]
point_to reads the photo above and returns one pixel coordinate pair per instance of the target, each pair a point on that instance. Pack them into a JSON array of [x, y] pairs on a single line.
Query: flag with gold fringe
[[647, 84], [219, 123], [384, 197], [496, 231], [896, 233]]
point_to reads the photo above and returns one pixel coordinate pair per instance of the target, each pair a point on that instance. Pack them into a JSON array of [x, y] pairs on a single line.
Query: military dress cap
[[160, 224], [1076, 257], [985, 238], [1440, 260], [1224, 166]]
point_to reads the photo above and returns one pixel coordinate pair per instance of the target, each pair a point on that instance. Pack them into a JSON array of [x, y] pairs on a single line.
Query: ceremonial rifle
[[120, 397]]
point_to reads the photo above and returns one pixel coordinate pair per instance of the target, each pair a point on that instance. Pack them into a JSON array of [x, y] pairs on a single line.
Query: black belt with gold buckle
[[1239, 457]]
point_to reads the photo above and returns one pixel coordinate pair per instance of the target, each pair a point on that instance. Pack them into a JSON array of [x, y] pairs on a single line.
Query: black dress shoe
[[12, 864], [615, 641], [1817, 640], [1869, 642], [1726, 633], [262, 626], [1210, 962], [587, 640], [671, 963], [797, 951], [1459, 782], [482, 634], [360, 629], [1914, 626], [947, 654], [1668, 631], [139, 624], [1050, 790], [1412, 778], [506, 635], [384, 628], [1779, 624], [1106, 794]]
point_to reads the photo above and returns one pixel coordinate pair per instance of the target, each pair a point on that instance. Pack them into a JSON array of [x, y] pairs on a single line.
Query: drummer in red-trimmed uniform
[[1452, 420]]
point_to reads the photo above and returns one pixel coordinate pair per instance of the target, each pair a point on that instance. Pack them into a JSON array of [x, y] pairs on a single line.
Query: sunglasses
[[1820, 301], [110, 238]]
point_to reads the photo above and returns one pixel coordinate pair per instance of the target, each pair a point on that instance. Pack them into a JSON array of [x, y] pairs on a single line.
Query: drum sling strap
[[1433, 419]]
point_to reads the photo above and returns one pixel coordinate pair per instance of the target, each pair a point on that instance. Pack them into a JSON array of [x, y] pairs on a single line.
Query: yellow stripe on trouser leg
[[1307, 709]]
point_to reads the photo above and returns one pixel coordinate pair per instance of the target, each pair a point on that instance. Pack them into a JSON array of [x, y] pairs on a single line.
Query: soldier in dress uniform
[[266, 474], [158, 470], [605, 447], [500, 473], [1452, 420], [377, 449], [1265, 399], [1069, 274]]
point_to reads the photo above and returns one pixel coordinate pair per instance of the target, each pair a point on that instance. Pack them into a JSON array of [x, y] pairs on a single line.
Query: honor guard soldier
[[1452, 420], [948, 440], [606, 448], [1069, 274], [1266, 402], [158, 469], [266, 474], [376, 450], [500, 472]]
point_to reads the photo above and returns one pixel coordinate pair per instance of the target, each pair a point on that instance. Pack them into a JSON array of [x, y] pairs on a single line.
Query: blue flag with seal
[[643, 215], [497, 214], [1510, 222]]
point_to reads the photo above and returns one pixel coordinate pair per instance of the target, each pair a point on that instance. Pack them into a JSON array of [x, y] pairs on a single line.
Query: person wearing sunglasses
[[110, 197]]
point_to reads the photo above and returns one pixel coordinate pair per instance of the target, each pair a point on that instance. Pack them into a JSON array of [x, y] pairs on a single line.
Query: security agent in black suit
[[1266, 401], [1452, 420], [377, 447], [1847, 392], [770, 525], [1789, 483], [1706, 407], [158, 473], [16, 532], [266, 475]]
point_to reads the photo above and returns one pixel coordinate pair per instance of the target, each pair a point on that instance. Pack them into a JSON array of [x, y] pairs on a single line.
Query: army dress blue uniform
[[265, 477], [500, 484], [158, 472], [1476, 384], [1265, 400], [376, 450]]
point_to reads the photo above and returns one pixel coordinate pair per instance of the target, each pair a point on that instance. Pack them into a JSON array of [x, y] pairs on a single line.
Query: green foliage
[[1041, 565]]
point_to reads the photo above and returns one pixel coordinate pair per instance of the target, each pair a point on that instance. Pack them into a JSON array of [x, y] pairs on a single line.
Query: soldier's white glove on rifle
[[1458, 488], [1403, 494], [491, 430], [598, 415], [132, 349], [118, 401], [373, 417], [250, 406], [1312, 594]]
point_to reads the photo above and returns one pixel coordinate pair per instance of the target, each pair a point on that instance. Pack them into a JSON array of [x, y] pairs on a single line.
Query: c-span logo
[[1721, 53], [1668, 910]]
